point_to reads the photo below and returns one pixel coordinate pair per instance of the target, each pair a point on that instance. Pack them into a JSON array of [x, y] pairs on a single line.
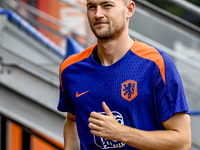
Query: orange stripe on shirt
[[150, 53], [73, 59]]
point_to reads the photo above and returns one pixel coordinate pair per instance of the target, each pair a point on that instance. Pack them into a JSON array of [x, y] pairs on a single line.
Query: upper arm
[[71, 116], [70, 122], [180, 123], [71, 139]]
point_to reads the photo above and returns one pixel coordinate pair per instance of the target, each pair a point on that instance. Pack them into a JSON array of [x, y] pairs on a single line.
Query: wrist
[[124, 133]]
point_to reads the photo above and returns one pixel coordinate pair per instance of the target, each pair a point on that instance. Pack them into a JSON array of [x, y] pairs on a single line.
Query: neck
[[110, 51]]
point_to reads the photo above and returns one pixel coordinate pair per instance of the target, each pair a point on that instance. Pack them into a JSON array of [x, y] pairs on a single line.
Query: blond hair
[[126, 1]]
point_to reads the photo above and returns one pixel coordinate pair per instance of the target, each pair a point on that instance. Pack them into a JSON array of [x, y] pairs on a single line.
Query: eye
[[107, 5], [91, 7]]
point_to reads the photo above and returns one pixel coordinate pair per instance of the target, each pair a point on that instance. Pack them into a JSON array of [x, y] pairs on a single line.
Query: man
[[121, 93]]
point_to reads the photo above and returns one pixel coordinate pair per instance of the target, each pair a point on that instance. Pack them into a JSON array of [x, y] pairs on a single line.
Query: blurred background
[[36, 35]]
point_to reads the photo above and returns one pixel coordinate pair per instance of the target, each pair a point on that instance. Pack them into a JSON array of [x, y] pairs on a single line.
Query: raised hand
[[105, 126]]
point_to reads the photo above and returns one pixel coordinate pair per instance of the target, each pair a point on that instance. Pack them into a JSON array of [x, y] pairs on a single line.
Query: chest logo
[[108, 144], [78, 95], [129, 90]]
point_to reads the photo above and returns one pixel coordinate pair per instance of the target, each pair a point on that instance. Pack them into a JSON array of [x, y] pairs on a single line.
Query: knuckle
[[99, 134], [101, 123]]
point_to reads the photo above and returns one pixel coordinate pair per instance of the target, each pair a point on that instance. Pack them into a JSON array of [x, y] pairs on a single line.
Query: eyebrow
[[90, 3]]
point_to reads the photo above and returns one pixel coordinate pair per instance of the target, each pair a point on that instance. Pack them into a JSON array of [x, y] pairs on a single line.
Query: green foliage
[[170, 7], [166, 5], [196, 2], [177, 10]]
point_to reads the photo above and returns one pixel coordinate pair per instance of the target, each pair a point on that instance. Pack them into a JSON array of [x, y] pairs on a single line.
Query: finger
[[106, 109], [95, 132], [93, 120], [94, 127], [90, 125], [95, 115]]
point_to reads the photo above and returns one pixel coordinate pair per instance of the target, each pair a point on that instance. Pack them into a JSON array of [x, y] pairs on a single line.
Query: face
[[106, 18]]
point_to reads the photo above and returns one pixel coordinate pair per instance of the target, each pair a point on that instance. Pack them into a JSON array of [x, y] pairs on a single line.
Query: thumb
[[106, 109]]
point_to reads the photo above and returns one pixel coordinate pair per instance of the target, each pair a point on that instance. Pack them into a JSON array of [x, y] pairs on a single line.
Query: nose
[[99, 12]]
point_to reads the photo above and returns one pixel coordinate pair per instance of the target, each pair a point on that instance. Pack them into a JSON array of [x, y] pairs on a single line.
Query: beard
[[110, 31]]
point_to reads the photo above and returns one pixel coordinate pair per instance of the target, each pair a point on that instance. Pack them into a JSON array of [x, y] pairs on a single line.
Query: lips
[[100, 23]]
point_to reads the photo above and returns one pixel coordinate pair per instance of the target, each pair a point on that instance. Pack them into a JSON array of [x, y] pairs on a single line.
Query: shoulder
[[145, 51], [150, 53], [76, 58]]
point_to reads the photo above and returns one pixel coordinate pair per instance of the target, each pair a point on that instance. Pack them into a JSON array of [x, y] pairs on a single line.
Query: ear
[[131, 9]]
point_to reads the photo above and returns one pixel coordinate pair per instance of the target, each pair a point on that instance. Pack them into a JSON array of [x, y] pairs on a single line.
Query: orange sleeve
[[73, 59], [150, 53]]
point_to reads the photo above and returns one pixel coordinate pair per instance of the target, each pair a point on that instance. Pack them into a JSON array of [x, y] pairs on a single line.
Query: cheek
[[89, 19], [89, 16]]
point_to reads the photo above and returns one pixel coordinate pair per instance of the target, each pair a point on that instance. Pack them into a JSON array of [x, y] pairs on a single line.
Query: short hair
[[126, 1]]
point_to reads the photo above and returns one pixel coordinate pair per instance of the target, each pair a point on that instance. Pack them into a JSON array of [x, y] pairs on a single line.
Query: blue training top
[[142, 89]]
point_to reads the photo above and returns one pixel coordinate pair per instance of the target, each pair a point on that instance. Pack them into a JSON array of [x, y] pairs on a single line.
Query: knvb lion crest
[[129, 90]]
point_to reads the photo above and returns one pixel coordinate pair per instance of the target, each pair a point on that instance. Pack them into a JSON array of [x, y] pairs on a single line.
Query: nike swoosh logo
[[78, 95]]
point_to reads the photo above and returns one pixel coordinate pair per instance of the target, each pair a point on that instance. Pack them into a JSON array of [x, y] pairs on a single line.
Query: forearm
[[155, 140], [177, 135], [71, 139]]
